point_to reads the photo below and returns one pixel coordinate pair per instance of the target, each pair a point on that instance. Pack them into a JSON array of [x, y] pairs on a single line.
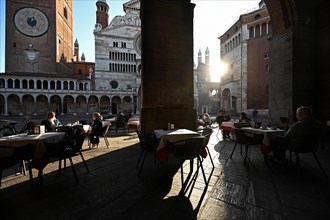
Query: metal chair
[[189, 149], [67, 149], [10, 156], [106, 131], [305, 144], [207, 132], [246, 138], [148, 144]]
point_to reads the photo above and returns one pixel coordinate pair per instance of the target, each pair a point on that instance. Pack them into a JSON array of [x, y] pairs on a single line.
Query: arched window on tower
[[251, 32], [263, 29], [257, 30]]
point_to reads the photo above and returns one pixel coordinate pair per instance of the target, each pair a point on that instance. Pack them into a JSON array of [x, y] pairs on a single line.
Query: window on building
[[31, 84], [2, 83], [45, 84], [58, 85], [65, 85], [267, 68], [10, 83], [114, 84], [257, 31], [263, 29], [17, 84], [251, 32], [25, 84], [65, 13], [72, 85], [257, 16], [266, 56], [52, 85], [38, 84]]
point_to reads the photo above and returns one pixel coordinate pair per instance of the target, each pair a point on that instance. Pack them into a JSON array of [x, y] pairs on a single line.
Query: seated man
[[219, 119], [306, 126]]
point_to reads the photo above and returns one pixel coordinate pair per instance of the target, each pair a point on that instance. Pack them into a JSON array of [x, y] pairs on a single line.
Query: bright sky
[[211, 19]]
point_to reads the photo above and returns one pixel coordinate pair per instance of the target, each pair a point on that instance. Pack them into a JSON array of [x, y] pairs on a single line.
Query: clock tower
[[39, 36]]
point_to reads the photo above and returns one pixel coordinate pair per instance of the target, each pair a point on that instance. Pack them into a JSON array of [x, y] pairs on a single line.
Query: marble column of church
[[167, 64]]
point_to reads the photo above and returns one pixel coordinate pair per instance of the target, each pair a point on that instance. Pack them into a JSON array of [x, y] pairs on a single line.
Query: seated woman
[[51, 122], [243, 117], [96, 129]]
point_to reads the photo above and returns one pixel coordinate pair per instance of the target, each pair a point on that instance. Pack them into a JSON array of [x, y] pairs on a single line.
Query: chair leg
[[297, 159], [60, 165], [73, 170], [30, 173], [106, 141], [40, 179], [232, 152], [242, 150], [23, 167], [319, 163], [246, 152], [83, 159], [137, 164], [208, 151], [0, 177], [144, 158]]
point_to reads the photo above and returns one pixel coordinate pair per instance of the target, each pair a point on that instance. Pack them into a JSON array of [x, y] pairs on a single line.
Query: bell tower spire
[[102, 16]]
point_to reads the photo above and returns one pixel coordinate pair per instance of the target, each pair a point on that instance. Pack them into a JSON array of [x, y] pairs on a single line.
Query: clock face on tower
[[31, 22]]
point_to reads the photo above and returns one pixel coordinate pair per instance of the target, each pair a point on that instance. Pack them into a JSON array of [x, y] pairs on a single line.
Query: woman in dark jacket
[[96, 129]]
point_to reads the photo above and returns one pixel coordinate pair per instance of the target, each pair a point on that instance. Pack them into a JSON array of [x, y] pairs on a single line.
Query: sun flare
[[216, 70]]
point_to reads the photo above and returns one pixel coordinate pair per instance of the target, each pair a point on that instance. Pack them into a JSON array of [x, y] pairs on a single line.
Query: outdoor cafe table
[[269, 135], [227, 126], [38, 141], [171, 135]]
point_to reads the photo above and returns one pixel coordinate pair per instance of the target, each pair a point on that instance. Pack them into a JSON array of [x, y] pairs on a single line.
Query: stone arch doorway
[[93, 104], [42, 104], [81, 104], [28, 105], [127, 105], [2, 104], [14, 105], [104, 104], [68, 104], [115, 105], [56, 104]]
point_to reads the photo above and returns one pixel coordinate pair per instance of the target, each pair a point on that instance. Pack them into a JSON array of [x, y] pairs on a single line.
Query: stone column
[[167, 65]]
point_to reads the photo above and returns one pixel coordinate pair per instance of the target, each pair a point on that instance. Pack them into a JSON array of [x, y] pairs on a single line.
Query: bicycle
[[9, 127]]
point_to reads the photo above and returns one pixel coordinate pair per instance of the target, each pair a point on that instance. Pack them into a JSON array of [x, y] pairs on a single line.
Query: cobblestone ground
[[113, 190]]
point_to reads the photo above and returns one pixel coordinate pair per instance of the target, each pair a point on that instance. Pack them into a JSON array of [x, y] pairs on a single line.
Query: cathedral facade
[[118, 56], [43, 71]]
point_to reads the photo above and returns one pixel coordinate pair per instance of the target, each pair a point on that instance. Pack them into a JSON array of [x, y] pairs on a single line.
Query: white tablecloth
[[37, 140]]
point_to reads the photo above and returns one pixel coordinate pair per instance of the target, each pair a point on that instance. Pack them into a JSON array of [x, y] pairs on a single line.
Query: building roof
[[104, 1]]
